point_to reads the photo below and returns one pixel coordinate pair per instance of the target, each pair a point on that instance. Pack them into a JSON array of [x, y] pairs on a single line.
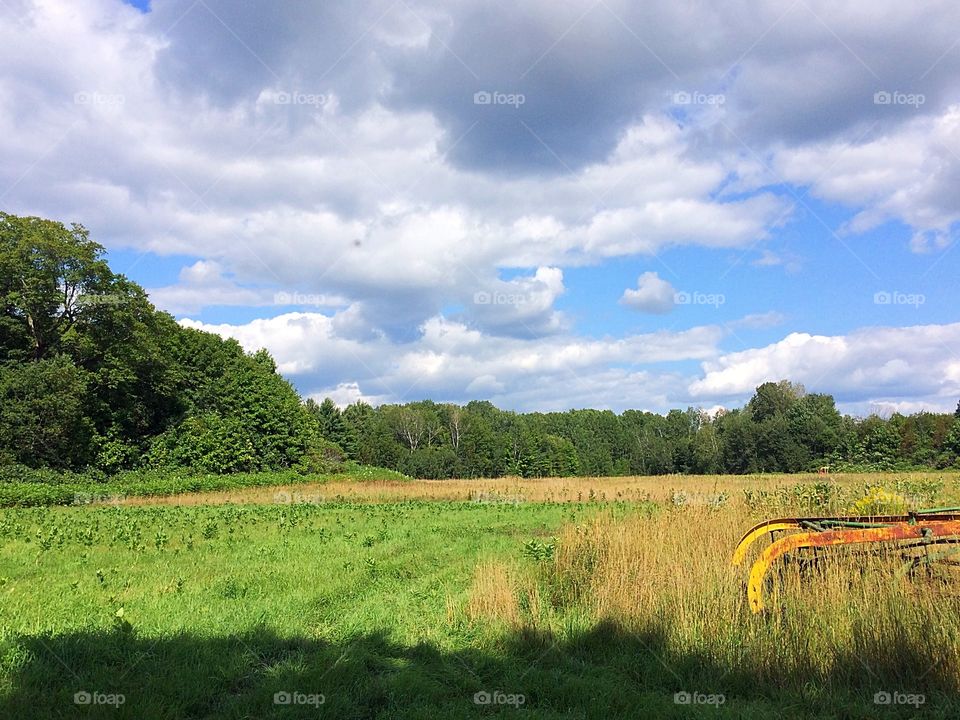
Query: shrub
[[207, 443], [321, 458]]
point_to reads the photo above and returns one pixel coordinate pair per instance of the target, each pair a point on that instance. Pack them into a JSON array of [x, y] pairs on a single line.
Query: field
[[581, 598]]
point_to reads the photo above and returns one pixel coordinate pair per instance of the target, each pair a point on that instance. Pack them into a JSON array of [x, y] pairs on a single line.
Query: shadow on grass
[[605, 673]]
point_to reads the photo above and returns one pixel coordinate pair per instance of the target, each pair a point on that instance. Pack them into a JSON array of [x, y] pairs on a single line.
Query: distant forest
[[93, 378], [781, 429]]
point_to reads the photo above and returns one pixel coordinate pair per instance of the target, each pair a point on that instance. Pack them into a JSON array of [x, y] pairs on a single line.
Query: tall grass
[[847, 620]]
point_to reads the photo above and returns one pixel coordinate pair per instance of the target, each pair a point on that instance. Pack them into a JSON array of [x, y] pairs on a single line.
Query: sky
[[546, 205]]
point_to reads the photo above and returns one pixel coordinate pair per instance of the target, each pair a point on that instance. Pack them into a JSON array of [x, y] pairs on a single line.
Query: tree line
[[781, 429], [93, 377]]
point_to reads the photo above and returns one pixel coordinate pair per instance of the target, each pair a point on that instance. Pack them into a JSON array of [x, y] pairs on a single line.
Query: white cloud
[[343, 200], [787, 260], [869, 365], [451, 361], [866, 370], [203, 284], [652, 295], [759, 321], [903, 174], [392, 198], [346, 393]]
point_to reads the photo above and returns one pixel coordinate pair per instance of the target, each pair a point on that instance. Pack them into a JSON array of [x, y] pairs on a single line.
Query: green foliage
[[539, 550], [48, 276], [43, 419], [206, 443], [92, 375], [322, 457], [21, 486]]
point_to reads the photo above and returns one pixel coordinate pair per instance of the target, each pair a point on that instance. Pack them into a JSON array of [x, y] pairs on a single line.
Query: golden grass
[[669, 576], [699, 489], [493, 595]]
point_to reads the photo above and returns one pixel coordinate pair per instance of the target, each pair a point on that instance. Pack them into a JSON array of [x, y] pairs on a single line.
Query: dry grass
[[699, 489], [844, 621], [493, 596]]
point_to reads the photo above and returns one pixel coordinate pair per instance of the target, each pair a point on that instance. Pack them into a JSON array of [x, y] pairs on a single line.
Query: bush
[[322, 458], [113, 454], [207, 443], [17, 473]]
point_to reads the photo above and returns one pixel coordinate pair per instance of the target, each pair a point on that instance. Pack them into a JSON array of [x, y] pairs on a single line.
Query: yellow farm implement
[[923, 529]]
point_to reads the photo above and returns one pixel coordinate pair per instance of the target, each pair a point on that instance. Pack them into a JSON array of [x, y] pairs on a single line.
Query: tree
[[814, 424], [409, 425], [879, 444], [330, 421], [738, 442], [478, 446], [42, 418], [953, 439], [455, 423], [772, 399], [705, 450], [52, 282]]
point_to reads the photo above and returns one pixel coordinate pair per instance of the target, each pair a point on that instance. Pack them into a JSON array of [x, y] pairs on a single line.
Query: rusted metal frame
[[798, 523], [917, 530]]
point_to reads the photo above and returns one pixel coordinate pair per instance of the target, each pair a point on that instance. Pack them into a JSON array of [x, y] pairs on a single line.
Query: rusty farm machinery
[[923, 537]]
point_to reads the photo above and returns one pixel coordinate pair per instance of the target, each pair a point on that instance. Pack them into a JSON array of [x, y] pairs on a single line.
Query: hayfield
[[593, 597]]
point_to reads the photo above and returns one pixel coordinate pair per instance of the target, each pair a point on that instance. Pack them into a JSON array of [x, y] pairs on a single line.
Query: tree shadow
[[603, 673]]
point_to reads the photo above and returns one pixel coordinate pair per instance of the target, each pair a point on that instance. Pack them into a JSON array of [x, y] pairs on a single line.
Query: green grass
[[33, 488], [210, 611]]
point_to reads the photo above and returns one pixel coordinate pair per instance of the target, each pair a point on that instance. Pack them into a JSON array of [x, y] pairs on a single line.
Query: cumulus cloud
[[203, 284], [395, 162], [652, 295], [320, 186], [906, 174], [522, 306], [868, 366], [868, 370], [451, 361]]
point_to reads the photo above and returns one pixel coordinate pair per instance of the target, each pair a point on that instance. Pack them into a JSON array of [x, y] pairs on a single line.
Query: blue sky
[[595, 204]]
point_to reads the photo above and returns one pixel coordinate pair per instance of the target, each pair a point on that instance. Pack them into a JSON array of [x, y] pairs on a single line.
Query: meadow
[[393, 598]]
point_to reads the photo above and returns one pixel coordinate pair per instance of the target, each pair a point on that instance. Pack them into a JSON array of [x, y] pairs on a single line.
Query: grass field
[[555, 598]]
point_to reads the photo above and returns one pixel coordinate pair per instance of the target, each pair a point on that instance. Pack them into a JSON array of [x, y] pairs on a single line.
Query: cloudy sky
[[548, 205]]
